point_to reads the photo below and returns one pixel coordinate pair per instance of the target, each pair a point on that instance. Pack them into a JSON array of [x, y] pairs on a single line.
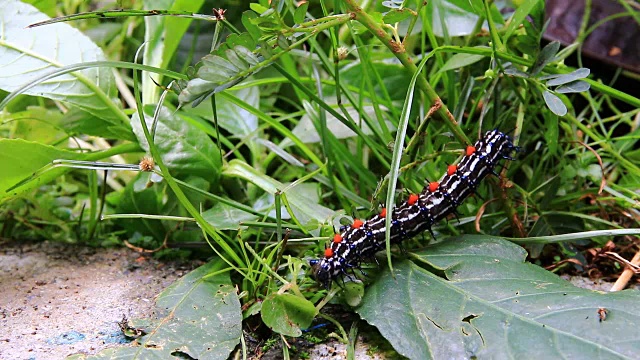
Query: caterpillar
[[359, 241]]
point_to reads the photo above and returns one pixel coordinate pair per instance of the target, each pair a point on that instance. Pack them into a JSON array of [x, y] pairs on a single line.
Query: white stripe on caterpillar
[[360, 241]]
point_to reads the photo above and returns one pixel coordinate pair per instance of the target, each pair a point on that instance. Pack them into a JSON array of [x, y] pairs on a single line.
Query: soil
[[58, 300]]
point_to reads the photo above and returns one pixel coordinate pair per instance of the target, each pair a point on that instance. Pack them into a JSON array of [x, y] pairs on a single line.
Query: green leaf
[[147, 201], [458, 17], [236, 120], [197, 317], [162, 36], [573, 87], [518, 17], [353, 292], [460, 60], [248, 18], [394, 79], [76, 121], [397, 15], [37, 124], [307, 132], [24, 158], [567, 78], [287, 314], [217, 69], [546, 56], [246, 55], [31, 53], [304, 208], [300, 13], [258, 8], [183, 146], [225, 217], [554, 103], [221, 70], [513, 71], [551, 134], [492, 302]]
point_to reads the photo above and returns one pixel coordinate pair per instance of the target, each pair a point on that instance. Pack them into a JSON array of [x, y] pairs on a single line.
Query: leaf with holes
[[489, 297]]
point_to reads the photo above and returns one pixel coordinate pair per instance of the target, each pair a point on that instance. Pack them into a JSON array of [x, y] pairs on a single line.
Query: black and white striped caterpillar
[[362, 239]]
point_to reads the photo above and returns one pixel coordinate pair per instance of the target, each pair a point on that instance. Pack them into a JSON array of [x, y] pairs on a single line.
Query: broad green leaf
[[37, 124], [24, 158], [573, 87], [76, 121], [149, 200], [567, 78], [162, 37], [102, 33], [235, 119], [197, 317], [492, 304], [225, 217], [287, 314], [307, 133], [394, 78], [554, 103], [28, 54], [460, 60], [458, 17], [546, 56], [397, 15], [184, 148], [304, 209], [307, 191]]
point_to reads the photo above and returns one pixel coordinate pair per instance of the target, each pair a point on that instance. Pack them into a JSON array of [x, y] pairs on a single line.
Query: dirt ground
[[58, 300]]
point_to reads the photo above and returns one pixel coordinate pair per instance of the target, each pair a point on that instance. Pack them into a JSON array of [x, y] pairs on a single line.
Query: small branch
[[629, 271]]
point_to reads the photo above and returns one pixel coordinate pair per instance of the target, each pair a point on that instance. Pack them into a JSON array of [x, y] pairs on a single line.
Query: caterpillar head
[[322, 271]]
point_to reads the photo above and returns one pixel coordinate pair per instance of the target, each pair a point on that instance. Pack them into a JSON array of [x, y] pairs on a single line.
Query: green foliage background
[[297, 118]]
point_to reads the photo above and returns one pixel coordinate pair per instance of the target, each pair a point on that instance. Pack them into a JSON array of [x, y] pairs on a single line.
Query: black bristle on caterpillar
[[359, 242]]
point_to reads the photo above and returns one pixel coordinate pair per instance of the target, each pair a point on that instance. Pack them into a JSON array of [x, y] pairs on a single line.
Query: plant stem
[[399, 52]]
